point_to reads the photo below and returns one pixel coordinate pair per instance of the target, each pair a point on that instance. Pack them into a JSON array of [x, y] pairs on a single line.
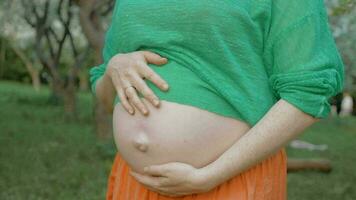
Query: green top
[[233, 57]]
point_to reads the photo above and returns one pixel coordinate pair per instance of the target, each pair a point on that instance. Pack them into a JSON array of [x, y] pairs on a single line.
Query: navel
[[141, 142]]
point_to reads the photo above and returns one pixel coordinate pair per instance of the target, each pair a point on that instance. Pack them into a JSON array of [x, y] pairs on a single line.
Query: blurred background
[[55, 140]]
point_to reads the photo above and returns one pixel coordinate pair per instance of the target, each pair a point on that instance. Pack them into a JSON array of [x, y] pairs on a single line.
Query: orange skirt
[[267, 180]]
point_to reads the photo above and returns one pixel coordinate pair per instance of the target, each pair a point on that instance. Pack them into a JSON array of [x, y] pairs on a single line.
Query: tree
[[60, 32], [52, 21], [15, 30], [92, 17], [30, 66], [343, 20]]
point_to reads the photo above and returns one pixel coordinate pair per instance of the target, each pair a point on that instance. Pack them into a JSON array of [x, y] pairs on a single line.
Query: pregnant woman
[[244, 77]]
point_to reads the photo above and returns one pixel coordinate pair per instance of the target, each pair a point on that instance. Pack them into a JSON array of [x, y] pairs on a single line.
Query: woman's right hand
[[129, 69]]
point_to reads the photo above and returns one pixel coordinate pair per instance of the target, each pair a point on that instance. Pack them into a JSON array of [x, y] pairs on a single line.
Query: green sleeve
[[108, 52], [305, 67], [97, 71]]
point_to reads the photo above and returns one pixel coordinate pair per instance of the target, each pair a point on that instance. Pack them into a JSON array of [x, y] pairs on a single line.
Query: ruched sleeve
[[108, 52], [305, 67]]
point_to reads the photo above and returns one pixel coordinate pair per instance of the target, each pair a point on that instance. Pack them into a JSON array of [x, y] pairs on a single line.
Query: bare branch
[[48, 34], [46, 11], [65, 24], [54, 34], [36, 14], [27, 14]]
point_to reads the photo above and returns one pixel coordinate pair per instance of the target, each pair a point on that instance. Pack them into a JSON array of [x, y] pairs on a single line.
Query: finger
[[125, 103], [167, 192], [131, 92], [167, 182], [163, 190], [158, 182], [147, 72], [154, 58], [152, 189], [135, 100], [142, 87], [155, 182], [124, 77], [149, 181], [156, 170]]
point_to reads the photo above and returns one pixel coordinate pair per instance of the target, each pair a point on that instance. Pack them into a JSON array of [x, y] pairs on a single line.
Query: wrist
[[208, 178]]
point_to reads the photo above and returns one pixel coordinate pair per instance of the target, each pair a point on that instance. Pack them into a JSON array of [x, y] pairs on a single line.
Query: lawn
[[43, 156], [340, 136]]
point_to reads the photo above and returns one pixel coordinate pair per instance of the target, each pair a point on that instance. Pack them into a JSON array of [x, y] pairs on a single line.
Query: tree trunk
[[309, 164], [69, 101], [64, 94], [354, 103], [94, 32], [83, 81], [56, 97], [33, 71], [36, 82], [2, 58]]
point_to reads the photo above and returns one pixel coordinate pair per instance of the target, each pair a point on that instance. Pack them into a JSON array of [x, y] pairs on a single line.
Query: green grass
[[340, 136], [43, 156]]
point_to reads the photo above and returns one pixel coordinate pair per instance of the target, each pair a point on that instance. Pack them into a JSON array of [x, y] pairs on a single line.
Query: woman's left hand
[[174, 179]]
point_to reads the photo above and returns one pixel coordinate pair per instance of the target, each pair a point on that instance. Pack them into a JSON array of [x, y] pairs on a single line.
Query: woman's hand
[[174, 179], [129, 69]]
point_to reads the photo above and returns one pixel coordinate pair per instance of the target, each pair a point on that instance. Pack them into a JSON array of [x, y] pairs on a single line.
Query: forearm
[[282, 123], [105, 92]]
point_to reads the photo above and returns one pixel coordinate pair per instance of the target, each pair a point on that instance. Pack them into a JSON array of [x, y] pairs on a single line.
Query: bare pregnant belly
[[173, 133]]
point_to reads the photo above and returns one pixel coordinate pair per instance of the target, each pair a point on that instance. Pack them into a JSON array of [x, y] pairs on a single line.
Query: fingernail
[[156, 102], [165, 86], [131, 111]]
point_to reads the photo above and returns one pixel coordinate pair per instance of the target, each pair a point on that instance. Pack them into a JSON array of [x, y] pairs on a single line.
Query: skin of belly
[[173, 133]]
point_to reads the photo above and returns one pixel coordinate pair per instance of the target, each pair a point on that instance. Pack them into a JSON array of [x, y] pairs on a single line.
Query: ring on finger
[[125, 88]]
